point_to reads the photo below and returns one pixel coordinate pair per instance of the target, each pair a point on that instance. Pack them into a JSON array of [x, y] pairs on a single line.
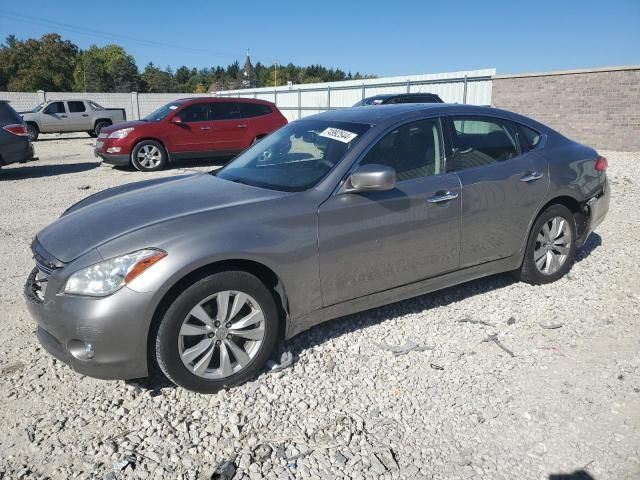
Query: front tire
[[551, 247], [92, 134], [149, 156], [218, 332]]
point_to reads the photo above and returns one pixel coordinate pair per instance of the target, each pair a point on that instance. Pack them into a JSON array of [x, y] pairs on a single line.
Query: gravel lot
[[459, 408]]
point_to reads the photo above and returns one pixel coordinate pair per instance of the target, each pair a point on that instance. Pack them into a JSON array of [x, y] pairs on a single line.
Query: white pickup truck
[[58, 116]]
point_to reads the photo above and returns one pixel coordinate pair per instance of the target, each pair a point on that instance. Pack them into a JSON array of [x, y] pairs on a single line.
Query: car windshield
[[162, 112], [371, 101], [37, 108], [296, 157]]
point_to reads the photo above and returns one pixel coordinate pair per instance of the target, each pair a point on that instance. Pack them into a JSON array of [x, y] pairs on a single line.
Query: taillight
[[601, 164], [17, 129]]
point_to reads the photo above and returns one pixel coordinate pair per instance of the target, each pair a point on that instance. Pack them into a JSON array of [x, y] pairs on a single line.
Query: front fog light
[[113, 150], [81, 350]]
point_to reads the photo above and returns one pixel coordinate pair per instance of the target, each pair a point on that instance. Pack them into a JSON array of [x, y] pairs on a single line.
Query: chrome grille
[[45, 267]]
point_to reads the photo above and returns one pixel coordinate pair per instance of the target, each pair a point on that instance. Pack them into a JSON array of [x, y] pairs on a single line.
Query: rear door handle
[[242, 125], [205, 128], [442, 197], [85, 114], [531, 177]]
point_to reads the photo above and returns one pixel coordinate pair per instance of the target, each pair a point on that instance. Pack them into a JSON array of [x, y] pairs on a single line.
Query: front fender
[[281, 238]]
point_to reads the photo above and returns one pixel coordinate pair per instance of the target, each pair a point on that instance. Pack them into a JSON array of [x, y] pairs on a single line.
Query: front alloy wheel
[[218, 332], [221, 335], [149, 156]]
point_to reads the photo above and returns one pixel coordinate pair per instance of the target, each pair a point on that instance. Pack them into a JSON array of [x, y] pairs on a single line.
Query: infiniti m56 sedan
[[332, 214]]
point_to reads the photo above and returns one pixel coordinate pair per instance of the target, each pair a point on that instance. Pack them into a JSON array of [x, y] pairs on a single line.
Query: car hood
[[121, 125], [118, 211]]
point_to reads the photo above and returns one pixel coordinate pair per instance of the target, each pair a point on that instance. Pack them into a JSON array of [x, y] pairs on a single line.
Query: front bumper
[[99, 337], [120, 157], [118, 160]]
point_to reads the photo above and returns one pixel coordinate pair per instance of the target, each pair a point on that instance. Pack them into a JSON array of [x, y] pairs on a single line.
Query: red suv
[[188, 128]]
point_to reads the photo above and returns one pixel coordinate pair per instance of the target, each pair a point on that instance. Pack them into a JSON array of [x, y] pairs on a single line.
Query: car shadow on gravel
[[53, 139], [337, 327], [594, 241], [40, 171], [577, 475]]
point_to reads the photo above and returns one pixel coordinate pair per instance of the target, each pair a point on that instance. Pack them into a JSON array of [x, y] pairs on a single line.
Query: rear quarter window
[[248, 110], [528, 137]]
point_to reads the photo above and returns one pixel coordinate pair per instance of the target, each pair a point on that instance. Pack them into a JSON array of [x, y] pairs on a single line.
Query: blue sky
[[375, 37]]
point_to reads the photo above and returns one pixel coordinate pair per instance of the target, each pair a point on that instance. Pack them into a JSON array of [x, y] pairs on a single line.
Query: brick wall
[[599, 107]]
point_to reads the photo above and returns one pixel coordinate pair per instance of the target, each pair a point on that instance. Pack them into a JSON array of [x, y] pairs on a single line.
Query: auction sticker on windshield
[[337, 134]]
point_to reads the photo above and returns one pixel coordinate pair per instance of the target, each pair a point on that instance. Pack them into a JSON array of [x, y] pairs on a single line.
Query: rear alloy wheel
[[551, 247], [219, 332], [32, 131], [99, 126], [149, 156]]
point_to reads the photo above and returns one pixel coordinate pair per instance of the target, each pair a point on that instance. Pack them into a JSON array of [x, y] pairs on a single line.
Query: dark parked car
[[15, 145], [332, 214], [392, 98], [189, 128]]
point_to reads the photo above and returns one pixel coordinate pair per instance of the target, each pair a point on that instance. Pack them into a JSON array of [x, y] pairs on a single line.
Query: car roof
[[388, 114], [222, 99]]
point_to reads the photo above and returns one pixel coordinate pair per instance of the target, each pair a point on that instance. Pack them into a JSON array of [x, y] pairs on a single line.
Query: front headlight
[[106, 277], [122, 133]]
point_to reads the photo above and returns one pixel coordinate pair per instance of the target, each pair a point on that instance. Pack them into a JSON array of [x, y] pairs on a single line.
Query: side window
[[248, 110], [224, 111], [413, 99], [413, 150], [198, 112], [75, 107], [479, 141], [95, 106], [55, 107], [529, 138]]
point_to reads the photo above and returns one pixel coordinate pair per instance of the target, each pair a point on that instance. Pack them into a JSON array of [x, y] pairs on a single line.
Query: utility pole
[[84, 72], [275, 72]]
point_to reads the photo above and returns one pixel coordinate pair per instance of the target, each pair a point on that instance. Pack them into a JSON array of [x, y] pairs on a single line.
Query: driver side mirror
[[176, 119], [371, 178]]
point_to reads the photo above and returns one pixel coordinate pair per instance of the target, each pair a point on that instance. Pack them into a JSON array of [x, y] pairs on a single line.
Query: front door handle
[[242, 125], [205, 128], [85, 114], [63, 116], [531, 177], [442, 197]]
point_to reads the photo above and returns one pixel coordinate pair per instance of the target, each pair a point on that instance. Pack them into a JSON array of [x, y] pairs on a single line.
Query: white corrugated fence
[[295, 101]]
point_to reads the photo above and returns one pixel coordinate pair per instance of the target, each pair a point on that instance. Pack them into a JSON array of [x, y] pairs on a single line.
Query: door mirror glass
[[372, 177], [176, 119]]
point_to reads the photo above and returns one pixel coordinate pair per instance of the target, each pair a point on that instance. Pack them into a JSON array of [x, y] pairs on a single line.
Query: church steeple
[[248, 75]]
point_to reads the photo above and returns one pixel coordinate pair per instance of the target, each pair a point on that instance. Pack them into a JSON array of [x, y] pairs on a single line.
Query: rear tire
[[551, 247], [99, 126], [92, 134], [33, 131], [149, 156], [218, 332]]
